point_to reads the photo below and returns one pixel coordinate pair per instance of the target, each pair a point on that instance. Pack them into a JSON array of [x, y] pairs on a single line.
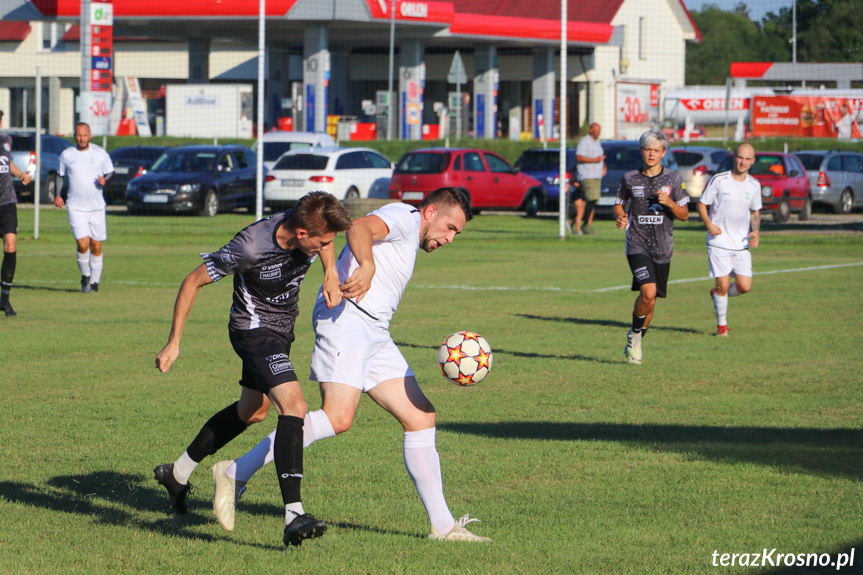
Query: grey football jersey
[[267, 278], [651, 229], [7, 191]]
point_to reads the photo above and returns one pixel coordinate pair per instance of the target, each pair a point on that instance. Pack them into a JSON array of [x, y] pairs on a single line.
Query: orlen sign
[[414, 10], [714, 104]]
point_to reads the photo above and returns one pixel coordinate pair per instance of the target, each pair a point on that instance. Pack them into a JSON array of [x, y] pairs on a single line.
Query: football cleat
[[85, 284], [94, 286], [227, 493], [722, 330], [303, 527], [7, 308], [177, 492], [458, 533], [633, 348]]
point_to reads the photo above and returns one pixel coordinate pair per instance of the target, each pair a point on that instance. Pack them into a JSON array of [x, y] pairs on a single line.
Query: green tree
[[726, 37]]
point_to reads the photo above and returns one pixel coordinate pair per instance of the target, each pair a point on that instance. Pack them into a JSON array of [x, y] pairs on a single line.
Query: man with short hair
[[656, 196], [355, 354], [734, 202], [8, 218], [269, 260], [590, 169], [89, 168]]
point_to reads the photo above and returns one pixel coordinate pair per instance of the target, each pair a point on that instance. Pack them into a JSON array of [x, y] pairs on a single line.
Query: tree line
[[827, 31]]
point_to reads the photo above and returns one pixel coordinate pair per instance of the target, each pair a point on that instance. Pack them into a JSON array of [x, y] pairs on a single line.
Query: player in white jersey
[[729, 206], [355, 354], [89, 168]]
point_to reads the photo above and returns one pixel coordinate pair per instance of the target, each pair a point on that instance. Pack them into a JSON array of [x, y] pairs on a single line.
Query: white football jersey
[[731, 203], [83, 168]]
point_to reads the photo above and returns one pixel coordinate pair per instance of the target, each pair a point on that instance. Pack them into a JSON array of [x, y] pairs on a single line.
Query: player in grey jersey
[[656, 196], [8, 218], [268, 260]]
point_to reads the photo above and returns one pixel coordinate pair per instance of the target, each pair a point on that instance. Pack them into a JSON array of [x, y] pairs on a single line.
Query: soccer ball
[[465, 358]]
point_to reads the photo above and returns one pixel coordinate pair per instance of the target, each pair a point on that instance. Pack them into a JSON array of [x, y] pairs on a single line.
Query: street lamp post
[[390, 79]]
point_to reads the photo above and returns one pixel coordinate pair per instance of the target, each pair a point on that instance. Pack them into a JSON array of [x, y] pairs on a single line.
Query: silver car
[[696, 165], [835, 177]]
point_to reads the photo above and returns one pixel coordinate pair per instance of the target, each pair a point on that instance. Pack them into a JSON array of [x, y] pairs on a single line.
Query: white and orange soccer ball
[[465, 358]]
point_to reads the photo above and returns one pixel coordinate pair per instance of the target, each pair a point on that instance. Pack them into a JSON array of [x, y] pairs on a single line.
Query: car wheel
[[783, 211], [806, 212], [48, 190], [532, 204], [353, 194], [846, 202], [211, 204]]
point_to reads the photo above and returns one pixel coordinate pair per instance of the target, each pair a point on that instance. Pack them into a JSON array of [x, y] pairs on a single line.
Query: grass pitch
[[574, 461]]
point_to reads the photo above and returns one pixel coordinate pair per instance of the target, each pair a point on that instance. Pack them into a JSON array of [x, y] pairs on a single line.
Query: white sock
[[95, 269], [720, 306], [316, 426], [184, 467], [84, 263], [732, 290], [423, 465], [292, 510]]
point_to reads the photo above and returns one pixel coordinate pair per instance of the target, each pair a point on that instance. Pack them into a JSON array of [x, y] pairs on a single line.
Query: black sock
[[288, 457], [7, 274], [638, 324], [216, 433]]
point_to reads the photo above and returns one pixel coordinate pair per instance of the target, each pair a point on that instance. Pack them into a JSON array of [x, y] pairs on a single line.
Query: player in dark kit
[[269, 260], [656, 196], [8, 218]]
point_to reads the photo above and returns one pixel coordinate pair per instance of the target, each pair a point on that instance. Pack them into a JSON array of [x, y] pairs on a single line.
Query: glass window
[[352, 161], [811, 162], [242, 162], [768, 166], [852, 163], [302, 162], [272, 150], [423, 163], [377, 161], [473, 163], [835, 163], [226, 163], [717, 157], [497, 165], [457, 164], [687, 159]]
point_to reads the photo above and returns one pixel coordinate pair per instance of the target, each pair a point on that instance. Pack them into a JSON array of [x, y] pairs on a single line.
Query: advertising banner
[[806, 116], [637, 108]]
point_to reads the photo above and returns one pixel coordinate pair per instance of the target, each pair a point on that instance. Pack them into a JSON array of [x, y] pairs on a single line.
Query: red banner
[[806, 116]]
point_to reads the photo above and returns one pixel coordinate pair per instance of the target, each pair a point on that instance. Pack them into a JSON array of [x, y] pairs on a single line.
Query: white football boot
[[458, 533], [633, 348], [227, 493]]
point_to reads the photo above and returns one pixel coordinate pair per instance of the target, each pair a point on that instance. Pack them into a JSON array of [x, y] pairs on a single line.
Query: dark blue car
[[198, 179], [544, 165]]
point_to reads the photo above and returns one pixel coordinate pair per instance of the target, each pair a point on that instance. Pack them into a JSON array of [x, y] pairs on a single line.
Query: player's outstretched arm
[[363, 232], [185, 299], [331, 289]]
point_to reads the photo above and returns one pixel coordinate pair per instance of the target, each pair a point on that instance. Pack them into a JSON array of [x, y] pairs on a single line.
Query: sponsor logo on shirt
[[641, 273], [7, 146], [665, 189], [271, 272], [228, 258], [651, 220], [278, 367], [273, 358], [4, 169], [638, 191]]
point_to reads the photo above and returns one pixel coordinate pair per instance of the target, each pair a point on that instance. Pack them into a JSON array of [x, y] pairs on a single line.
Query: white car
[[277, 143], [346, 173]]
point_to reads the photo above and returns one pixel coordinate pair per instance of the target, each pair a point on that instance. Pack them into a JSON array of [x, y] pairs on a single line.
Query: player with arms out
[[656, 196], [730, 205], [89, 168], [268, 260], [8, 218], [355, 354]]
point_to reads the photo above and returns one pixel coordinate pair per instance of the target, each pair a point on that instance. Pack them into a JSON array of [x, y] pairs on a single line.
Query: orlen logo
[[414, 9]]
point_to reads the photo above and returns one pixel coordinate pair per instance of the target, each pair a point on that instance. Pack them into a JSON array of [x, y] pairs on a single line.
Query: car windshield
[[272, 150], [423, 163], [623, 158], [811, 161], [768, 166], [185, 162], [132, 154], [23, 143], [302, 162], [540, 161]]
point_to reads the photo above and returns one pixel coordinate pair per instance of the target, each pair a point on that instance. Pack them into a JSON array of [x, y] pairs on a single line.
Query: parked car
[[129, 163], [622, 156], [544, 166], [836, 178], [277, 143], [346, 173], [784, 184], [696, 165], [24, 157], [199, 179], [488, 179]]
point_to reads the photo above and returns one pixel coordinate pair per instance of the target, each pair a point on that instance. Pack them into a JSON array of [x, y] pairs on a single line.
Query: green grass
[[574, 461]]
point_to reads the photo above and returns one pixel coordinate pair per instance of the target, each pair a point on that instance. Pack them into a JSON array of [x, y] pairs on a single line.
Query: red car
[[784, 184], [490, 181]]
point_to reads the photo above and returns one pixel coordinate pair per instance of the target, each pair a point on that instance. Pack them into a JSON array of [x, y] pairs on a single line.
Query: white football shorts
[[352, 350], [89, 225], [724, 262]]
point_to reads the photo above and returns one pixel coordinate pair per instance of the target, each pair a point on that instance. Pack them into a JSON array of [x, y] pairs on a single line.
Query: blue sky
[[757, 8]]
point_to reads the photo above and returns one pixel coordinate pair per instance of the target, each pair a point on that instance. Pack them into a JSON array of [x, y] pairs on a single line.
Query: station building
[[331, 58]]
